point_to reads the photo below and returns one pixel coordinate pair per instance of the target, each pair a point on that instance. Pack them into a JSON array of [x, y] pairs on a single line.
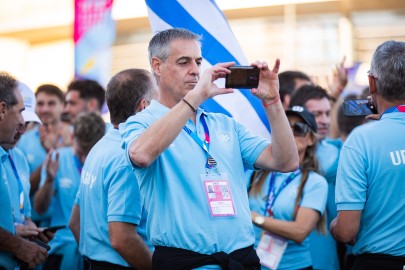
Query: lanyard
[[20, 188], [205, 145], [400, 108], [78, 164], [272, 195]]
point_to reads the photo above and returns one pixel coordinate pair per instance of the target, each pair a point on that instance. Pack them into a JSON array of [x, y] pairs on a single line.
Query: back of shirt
[[371, 179]]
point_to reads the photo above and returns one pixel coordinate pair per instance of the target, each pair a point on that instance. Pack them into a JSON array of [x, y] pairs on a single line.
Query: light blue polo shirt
[[23, 175], [371, 178], [66, 184], [315, 191], [6, 217], [108, 192], [32, 148], [174, 196]]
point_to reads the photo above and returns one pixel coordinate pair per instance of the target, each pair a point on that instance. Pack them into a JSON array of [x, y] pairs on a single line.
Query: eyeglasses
[[371, 75], [300, 129]]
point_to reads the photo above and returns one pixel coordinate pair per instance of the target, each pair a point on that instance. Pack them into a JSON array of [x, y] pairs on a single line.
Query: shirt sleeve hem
[[127, 219], [350, 206]]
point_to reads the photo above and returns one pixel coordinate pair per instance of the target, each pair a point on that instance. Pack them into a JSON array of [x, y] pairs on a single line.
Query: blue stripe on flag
[[175, 15]]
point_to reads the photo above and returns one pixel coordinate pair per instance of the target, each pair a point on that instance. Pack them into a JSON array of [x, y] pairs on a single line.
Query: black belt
[[182, 259], [100, 265], [375, 261]]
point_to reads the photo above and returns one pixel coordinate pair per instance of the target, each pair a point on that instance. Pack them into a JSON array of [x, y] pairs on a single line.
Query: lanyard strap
[[400, 108], [272, 195], [20, 188], [205, 145]]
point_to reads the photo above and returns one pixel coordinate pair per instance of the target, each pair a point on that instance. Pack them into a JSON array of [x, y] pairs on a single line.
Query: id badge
[[218, 193], [271, 249]]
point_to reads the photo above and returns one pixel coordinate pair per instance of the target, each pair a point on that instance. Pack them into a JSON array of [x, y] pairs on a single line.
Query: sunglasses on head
[[300, 129]]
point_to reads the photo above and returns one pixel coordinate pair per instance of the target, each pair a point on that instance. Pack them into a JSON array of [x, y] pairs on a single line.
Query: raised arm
[[282, 154], [157, 137]]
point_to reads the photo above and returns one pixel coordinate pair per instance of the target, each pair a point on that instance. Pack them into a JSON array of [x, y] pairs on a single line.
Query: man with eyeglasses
[[370, 182]]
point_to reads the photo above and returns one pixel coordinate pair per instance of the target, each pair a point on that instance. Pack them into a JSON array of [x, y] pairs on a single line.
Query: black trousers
[[370, 261]]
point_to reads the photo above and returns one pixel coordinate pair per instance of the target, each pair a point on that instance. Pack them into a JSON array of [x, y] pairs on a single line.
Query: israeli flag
[[203, 17]]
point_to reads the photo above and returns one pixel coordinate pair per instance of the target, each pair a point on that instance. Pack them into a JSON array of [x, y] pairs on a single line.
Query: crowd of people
[[168, 185]]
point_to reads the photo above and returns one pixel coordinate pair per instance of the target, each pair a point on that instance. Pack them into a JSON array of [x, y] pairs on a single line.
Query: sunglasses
[[300, 129]]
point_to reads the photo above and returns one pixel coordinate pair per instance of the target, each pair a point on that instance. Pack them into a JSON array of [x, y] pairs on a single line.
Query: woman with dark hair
[[286, 207]]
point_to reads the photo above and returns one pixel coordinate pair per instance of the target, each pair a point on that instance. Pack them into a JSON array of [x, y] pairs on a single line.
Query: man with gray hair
[[180, 152], [370, 181], [12, 247]]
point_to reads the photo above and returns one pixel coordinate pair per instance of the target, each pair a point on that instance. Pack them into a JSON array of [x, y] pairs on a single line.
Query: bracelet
[[271, 103], [188, 103]]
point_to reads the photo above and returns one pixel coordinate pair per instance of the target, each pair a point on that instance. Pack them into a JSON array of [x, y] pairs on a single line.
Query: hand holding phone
[[41, 244], [54, 228], [358, 107], [242, 77]]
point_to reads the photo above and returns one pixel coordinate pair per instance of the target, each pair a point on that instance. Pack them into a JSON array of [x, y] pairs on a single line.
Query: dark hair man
[[83, 95], [290, 82], [108, 209]]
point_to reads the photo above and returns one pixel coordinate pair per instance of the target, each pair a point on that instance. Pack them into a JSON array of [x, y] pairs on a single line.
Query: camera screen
[[356, 107], [242, 77]]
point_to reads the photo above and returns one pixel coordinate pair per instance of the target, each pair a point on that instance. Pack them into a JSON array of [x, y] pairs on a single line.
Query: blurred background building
[[36, 36]]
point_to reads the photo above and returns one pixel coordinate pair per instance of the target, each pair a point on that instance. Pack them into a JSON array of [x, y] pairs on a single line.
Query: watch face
[[259, 220]]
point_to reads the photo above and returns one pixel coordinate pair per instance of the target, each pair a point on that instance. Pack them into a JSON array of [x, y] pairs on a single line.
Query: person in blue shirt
[[370, 180], [38, 141], [83, 95], [12, 246], [324, 249], [60, 183], [288, 206], [180, 152], [18, 173], [108, 209]]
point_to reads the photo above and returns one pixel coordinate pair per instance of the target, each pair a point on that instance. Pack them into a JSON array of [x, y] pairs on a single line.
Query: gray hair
[[159, 45], [388, 67], [8, 84]]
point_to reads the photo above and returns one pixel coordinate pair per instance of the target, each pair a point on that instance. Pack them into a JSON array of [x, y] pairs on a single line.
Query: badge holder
[[217, 190], [271, 249]]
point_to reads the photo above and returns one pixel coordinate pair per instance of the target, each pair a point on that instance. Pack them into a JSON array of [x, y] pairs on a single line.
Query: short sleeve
[[251, 146], [315, 193], [351, 181], [124, 199]]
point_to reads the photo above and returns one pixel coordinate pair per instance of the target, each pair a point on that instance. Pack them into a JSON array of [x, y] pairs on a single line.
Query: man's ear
[[141, 105], [3, 110], [372, 84], [155, 64], [92, 105]]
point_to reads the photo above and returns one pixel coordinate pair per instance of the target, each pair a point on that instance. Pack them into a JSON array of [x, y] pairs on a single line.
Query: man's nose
[[194, 69]]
